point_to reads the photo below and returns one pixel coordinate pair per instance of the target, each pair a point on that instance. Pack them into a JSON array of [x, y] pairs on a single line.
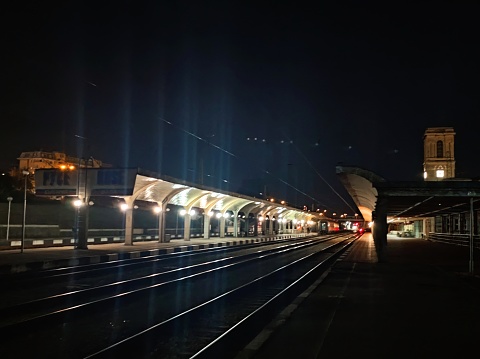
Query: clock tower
[[438, 153]]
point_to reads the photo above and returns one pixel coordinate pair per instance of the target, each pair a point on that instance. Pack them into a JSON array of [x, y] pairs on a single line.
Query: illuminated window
[[440, 173], [425, 174], [439, 150]]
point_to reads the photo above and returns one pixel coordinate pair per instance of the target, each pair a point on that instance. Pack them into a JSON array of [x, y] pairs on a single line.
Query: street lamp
[[25, 173], [77, 204], [9, 199]]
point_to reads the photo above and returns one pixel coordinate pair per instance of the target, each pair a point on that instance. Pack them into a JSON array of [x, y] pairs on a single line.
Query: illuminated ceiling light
[[124, 206], [218, 215], [157, 209], [192, 212], [78, 202], [182, 212], [210, 213], [260, 218]]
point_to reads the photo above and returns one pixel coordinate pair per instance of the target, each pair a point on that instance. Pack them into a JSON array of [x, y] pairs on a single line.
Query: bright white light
[[192, 212], [182, 212], [157, 209], [260, 218], [226, 215], [425, 174], [124, 206], [77, 202], [218, 215], [440, 173], [210, 213]]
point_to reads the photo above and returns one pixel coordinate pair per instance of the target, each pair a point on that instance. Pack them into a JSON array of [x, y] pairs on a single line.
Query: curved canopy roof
[[153, 187], [409, 199]]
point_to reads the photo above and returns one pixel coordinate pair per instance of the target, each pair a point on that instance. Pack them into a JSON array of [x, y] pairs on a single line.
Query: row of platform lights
[[157, 210], [124, 207]]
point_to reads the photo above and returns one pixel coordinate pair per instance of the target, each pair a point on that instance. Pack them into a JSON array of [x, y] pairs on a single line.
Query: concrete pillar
[[186, 226], [161, 224], [206, 226], [380, 229], [235, 224], [129, 227], [222, 227]]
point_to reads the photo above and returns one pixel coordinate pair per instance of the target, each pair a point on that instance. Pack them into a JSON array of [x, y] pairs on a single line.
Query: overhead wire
[[209, 143]]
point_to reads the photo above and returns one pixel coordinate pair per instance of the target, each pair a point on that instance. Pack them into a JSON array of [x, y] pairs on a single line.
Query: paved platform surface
[[15, 261], [422, 303]]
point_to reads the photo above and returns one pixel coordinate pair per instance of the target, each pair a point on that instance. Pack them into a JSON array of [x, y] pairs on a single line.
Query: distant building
[[31, 161], [438, 153]]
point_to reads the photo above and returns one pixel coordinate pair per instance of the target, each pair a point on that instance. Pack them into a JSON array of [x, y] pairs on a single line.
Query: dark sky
[[184, 87]]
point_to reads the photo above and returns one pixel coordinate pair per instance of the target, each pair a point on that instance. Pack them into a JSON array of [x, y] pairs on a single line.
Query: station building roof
[[134, 184], [409, 199]]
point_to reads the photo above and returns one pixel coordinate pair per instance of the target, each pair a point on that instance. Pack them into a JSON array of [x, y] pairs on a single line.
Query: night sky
[[263, 95]]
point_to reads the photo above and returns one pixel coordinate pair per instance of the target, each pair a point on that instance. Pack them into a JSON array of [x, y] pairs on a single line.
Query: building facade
[[31, 161], [438, 153]]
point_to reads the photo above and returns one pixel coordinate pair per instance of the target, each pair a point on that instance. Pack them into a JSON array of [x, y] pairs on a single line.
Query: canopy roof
[[409, 199]]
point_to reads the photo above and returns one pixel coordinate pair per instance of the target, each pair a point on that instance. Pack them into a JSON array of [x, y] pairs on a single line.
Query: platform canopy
[[409, 199], [136, 184]]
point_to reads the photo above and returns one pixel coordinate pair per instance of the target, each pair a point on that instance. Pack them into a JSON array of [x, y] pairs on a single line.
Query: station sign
[[93, 181]]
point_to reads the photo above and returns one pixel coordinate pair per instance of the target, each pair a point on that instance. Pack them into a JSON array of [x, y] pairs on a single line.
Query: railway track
[[176, 312]]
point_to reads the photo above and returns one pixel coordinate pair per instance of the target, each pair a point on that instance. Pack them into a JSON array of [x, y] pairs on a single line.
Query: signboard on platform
[[93, 181]]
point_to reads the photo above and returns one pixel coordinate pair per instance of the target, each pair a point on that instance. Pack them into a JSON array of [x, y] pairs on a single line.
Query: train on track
[[327, 226]]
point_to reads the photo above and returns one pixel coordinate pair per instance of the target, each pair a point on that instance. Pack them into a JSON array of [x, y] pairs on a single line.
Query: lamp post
[[9, 199], [77, 204], [25, 173]]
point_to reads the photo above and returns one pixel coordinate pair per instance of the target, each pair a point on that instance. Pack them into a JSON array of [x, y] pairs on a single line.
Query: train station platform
[[16, 261], [421, 303]]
